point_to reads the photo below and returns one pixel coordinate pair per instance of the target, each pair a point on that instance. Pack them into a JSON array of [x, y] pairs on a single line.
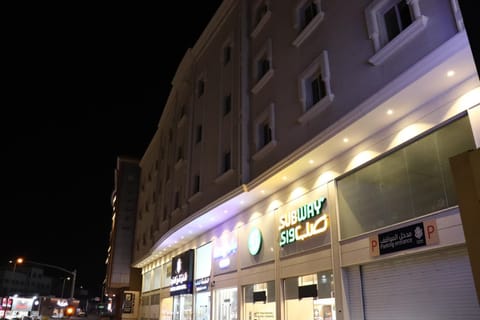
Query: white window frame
[[376, 29], [265, 51], [458, 15], [256, 28], [268, 115], [311, 26], [322, 64]]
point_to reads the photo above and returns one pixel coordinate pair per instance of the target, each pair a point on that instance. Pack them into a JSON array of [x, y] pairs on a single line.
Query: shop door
[[434, 285], [226, 304]]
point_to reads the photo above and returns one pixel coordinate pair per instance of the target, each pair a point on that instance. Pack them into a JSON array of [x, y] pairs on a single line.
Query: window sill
[[179, 163], [266, 149], [308, 29], [224, 176], [182, 121], [399, 41], [262, 82], [195, 196], [260, 24], [315, 110]]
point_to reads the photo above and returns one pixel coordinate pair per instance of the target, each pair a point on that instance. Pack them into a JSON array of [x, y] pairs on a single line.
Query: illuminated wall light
[[262, 191], [274, 205], [467, 101], [311, 161], [284, 178], [450, 73], [296, 193], [326, 177], [389, 112], [408, 133], [361, 158], [345, 140]]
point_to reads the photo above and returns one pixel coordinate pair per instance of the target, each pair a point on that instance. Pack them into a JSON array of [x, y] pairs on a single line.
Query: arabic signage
[[202, 284], [303, 223], [181, 281], [128, 302], [412, 236]]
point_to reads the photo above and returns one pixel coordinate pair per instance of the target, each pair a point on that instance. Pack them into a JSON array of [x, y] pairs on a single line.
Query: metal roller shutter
[[435, 285]]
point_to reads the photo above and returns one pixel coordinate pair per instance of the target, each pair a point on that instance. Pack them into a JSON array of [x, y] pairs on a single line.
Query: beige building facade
[[300, 168]]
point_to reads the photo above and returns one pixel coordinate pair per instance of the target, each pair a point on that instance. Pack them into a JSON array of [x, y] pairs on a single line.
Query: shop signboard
[[303, 223], [409, 237], [130, 305], [182, 273]]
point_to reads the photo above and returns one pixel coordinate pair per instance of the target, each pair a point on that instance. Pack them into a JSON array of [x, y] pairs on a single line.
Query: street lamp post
[[72, 273], [63, 284], [18, 260]]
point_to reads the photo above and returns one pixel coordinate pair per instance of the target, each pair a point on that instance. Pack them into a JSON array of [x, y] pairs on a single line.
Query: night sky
[[84, 85]]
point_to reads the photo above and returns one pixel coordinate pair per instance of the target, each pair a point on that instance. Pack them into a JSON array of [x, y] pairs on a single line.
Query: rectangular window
[[182, 112], [319, 89], [263, 67], [387, 24], [177, 200], [200, 88], [408, 183], [309, 12], [260, 13], [196, 184], [397, 19], [226, 161], [198, 134], [227, 104], [265, 134], [179, 153], [227, 54]]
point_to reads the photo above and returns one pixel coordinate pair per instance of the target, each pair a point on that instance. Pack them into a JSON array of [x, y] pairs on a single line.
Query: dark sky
[[82, 85]]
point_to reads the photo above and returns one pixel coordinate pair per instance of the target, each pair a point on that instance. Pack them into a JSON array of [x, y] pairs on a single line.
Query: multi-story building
[[122, 282], [28, 281], [300, 168]]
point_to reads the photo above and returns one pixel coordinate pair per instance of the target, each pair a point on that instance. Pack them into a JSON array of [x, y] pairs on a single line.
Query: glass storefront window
[[147, 281], [203, 269], [259, 301], [157, 273], [166, 307], [182, 307], [202, 306], [226, 303], [408, 183], [311, 296]]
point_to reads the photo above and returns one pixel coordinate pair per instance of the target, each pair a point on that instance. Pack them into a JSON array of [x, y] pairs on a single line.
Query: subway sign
[[303, 223]]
